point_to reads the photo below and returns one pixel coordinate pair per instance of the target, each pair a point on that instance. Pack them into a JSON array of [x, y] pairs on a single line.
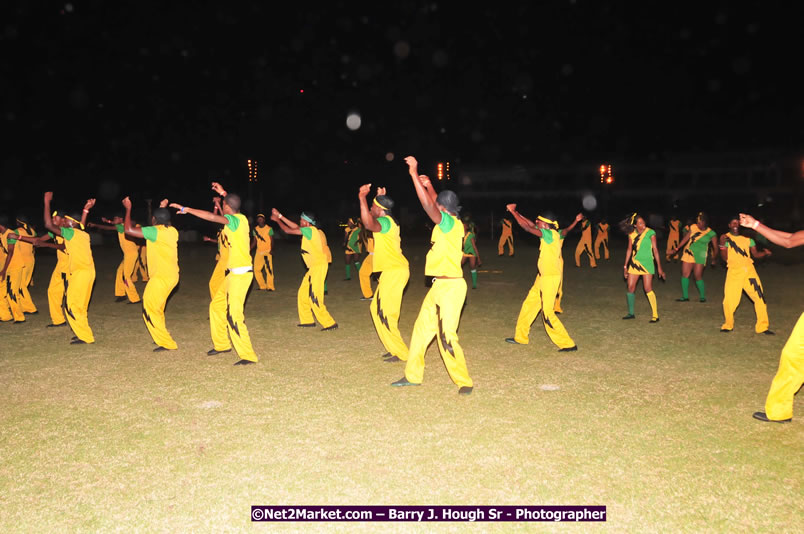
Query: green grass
[[653, 421]]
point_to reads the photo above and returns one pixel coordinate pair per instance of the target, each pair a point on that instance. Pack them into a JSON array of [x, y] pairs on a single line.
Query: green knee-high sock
[[357, 265], [630, 298], [325, 286], [701, 289], [474, 278], [348, 271], [685, 288]]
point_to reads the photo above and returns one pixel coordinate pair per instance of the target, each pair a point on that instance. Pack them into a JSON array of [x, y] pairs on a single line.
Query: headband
[[378, 204], [260, 215], [76, 222], [633, 218], [308, 218], [548, 221]]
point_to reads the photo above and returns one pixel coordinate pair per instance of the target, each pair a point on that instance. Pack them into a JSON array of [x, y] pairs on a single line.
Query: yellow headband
[[260, 215], [548, 221], [76, 222], [378, 204]]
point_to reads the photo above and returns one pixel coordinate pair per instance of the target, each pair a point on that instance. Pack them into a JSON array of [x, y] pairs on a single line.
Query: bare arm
[[130, 230], [424, 190], [656, 256], [525, 223], [477, 250], [713, 246], [369, 222], [286, 225], [201, 214], [48, 219], [627, 258], [9, 254], [88, 206], [568, 229], [681, 243], [777, 237], [757, 254], [724, 253]]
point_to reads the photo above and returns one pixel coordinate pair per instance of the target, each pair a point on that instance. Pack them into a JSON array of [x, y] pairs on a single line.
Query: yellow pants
[[365, 276], [506, 238], [672, 242], [385, 308], [559, 294], [601, 241], [23, 295], [310, 298], [738, 280], [226, 319], [79, 289], [584, 247], [5, 299], [123, 283], [264, 270], [789, 377], [141, 267], [218, 276], [541, 298], [56, 293], [439, 316], [29, 270], [14, 278], [153, 309]]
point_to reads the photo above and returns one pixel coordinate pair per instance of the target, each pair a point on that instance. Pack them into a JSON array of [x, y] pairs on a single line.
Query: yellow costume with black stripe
[[366, 268], [141, 269], [123, 282], [585, 244], [789, 377], [263, 260], [57, 289], [673, 238], [394, 274], [26, 253], [441, 310], [7, 311], [162, 247], [226, 319], [542, 295], [14, 277], [742, 276], [506, 238], [221, 264], [80, 281], [310, 297], [602, 240]]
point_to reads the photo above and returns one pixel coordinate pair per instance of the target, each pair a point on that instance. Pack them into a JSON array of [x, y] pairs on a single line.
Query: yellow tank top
[[551, 262], [446, 248], [312, 246], [388, 246], [161, 244], [263, 237], [237, 235], [77, 245], [739, 251]]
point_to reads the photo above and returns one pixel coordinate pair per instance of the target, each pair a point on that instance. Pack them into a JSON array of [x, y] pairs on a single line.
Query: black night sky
[[162, 97]]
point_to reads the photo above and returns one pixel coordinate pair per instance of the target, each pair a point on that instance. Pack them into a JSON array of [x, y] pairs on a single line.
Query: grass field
[[653, 421]]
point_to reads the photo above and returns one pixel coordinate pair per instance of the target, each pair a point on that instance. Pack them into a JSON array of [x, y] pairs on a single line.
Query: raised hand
[[48, 196], [510, 207], [275, 215], [413, 165], [747, 221], [127, 203], [89, 204], [218, 188], [380, 191], [164, 203], [579, 217], [425, 181], [178, 207], [365, 189]]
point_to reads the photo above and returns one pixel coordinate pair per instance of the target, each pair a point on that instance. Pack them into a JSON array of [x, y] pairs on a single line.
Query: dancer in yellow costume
[[441, 310], [82, 271], [366, 268], [673, 229], [222, 257], [124, 288], [57, 289], [736, 250], [585, 244], [541, 297], [639, 263], [352, 247], [602, 239], [8, 310], [161, 240], [790, 376], [393, 268], [262, 239], [141, 268], [316, 256], [227, 322], [696, 244], [506, 238], [26, 251]]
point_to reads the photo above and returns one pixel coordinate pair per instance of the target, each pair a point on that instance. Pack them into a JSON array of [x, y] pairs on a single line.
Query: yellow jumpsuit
[[585, 244], [263, 260], [161, 244], [366, 268], [394, 273], [789, 377], [141, 270], [742, 276], [542, 295], [310, 297], [57, 289], [9, 308], [602, 240], [123, 282], [221, 263], [80, 282], [226, 319], [26, 252], [672, 238], [506, 238], [440, 313]]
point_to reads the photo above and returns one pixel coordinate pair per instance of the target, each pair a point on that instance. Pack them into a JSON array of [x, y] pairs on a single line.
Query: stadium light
[[440, 171]]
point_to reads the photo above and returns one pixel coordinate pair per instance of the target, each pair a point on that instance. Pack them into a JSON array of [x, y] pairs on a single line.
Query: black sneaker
[[725, 330], [769, 333], [392, 359], [403, 382], [513, 341], [682, 300], [78, 342], [244, 362], [366, 298], [654, 320], [51, 325], [701, 300], [761, 416], [386, 355], [629, 316], [333, 327], [120, 299], [162, 349], [569, 349], [306, 325], [465, 390], [214, 352]]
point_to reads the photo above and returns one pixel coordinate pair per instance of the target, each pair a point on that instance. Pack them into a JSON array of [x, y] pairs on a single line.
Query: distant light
[[389, 156], [440, 171], [589, 202], [353, 121], [301, 90]]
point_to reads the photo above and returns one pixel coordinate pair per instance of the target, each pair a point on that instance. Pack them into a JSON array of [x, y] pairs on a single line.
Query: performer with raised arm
[[222, 257], [9, 309], [393, 268], [82, 269], [440, 313], [25, 250], [639, 262], [124, 287], [263, 239], [316, 256], [790, 376], [226, 320], [585, 244], [696, 244], [542, 295], [161, 240], [506, 238], [602, 239], [737, 250]]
